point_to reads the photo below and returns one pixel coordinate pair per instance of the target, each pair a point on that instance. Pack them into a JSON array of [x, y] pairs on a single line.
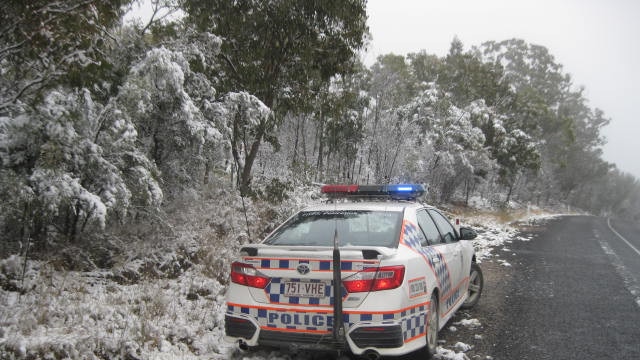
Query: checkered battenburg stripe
[[411, 238], [314, 265]]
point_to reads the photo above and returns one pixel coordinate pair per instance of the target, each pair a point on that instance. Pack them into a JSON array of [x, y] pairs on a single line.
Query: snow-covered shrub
[[69, 165], [16, 275], [82, 315]]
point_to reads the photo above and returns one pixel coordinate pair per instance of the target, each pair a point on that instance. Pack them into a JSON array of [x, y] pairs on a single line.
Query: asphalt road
[[571, 292]]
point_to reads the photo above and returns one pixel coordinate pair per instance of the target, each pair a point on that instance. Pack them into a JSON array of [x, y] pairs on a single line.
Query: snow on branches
[[177, 133]]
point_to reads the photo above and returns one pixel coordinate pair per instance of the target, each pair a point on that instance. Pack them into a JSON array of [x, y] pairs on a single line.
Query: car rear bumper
[[386, 337]]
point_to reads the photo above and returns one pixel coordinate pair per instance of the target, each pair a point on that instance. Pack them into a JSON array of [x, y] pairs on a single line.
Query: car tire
[[433, 325], [474, 290]]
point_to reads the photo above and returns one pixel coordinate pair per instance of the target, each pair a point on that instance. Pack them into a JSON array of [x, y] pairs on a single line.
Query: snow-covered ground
[[52, 314]]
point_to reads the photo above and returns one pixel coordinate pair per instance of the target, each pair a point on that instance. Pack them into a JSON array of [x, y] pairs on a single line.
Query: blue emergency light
[[395, 191]]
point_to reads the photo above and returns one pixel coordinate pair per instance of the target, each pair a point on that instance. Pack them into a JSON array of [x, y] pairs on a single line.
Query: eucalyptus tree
[[277, 50], [392, 85], [425, 67], [537, 85], [68, 160], [580, 163], [176, 118], [44, 43], [443, 148], [468, 78], [547, 106], [341, 128], [481, 88]]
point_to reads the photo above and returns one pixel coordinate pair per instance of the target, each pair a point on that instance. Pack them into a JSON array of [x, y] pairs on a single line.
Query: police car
[[403, 271]]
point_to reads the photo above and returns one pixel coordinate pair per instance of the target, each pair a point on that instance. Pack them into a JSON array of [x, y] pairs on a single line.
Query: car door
[[451, 247], [440, 255]]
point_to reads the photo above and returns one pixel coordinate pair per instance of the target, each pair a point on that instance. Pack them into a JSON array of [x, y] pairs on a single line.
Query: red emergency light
[[396, 191]]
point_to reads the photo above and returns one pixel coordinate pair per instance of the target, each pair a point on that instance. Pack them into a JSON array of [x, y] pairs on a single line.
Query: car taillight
[[375, 279], [247, 275]]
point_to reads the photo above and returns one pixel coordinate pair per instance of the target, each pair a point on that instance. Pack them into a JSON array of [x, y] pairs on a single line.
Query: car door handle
[[435, 260]]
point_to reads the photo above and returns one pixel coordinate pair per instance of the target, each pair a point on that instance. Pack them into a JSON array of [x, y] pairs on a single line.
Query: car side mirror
[[467, 233]]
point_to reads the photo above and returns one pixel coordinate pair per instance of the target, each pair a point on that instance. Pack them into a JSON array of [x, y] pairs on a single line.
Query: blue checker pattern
[[414, 323], [314, 265], [436, 261], [412, 236], [252, 312], [439, 265]]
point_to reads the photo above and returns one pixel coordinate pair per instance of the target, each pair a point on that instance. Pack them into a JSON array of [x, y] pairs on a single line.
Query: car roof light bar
[[395, 191]]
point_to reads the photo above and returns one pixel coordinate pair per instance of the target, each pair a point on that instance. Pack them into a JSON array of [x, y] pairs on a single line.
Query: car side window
[[449, 234], [428, 228]]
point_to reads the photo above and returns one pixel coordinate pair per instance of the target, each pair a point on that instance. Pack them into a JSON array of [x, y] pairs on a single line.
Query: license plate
[[304, 289]]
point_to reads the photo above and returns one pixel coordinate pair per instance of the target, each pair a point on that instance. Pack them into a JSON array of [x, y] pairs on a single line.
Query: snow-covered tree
[[246, 119], [453, 151], [514, 151], [43, 43], [177, 131], [281, 52], [68, 164]]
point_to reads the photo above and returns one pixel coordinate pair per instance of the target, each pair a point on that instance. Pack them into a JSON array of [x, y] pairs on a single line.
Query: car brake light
[[247, 275], [375, 279]]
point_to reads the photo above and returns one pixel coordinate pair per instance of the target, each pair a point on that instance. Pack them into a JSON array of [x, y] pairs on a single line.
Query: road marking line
[[622, 237], [630, 281]]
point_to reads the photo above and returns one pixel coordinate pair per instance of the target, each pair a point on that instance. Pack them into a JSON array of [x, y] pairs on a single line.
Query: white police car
[[404, 271]]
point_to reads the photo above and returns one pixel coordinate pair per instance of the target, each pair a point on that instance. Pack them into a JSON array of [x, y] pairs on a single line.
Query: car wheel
[[433, 325], [476, 283]]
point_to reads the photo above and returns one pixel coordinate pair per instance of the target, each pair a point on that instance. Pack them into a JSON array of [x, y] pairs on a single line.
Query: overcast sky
[[597, 42]]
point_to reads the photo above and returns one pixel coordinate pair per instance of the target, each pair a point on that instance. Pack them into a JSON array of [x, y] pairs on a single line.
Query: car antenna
[[338, 330]]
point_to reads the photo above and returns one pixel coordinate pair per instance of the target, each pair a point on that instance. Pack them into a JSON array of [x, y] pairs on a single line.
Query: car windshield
[[355, 228]]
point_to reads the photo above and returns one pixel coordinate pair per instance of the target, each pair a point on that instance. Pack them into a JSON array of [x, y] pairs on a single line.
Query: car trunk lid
[[303, 276]]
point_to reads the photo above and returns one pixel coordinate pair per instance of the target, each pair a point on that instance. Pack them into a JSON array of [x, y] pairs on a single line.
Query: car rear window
[[355, 228]]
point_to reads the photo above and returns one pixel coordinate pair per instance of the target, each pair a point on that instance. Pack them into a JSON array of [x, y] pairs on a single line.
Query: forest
[[114, 131]]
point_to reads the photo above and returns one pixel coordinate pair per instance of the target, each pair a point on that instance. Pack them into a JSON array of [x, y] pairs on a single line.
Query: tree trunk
[[235, 153], [506, 202], [73, 229], [245, 181], [295, 144], [467, 192], [320, 137], [304, 139], [207, 169]]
